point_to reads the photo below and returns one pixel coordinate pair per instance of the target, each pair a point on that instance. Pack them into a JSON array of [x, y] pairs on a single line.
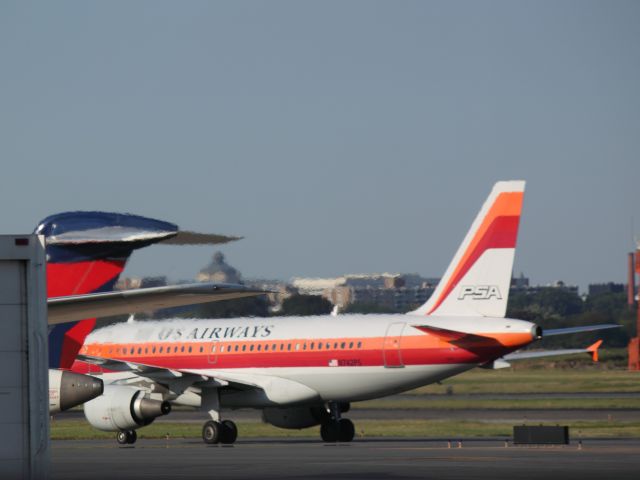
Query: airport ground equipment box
[[24, 404], [540, 435]]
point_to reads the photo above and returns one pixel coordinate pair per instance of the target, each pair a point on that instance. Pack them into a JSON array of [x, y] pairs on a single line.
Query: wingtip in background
[[593, 350]]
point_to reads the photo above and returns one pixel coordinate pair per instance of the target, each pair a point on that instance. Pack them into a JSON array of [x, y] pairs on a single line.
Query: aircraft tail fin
[[477, 281], [86, 253]]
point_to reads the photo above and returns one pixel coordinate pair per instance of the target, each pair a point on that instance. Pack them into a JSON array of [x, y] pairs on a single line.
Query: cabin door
[[392, 346], [212, 354]]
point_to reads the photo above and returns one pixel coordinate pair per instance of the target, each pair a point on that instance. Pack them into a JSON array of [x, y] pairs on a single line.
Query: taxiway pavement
[[362, 459]]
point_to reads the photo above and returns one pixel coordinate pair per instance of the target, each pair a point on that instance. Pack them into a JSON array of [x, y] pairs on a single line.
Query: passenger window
[[236, 349], [153, 350], [139, 350], [335, 345], [201, 349], [312, 345], [161, 349], [244, 348], [182, 349], [288, 346], [266, 347], [304, 346], [350, 344], [281, 346], [251, 348], [319, 345], [213, 348], [359, 344], [175, 349], [343, 344], [222, 349], [190, 348], [259, 347], [297, 346]]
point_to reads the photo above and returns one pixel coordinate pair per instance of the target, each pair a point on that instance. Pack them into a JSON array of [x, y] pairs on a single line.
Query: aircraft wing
[[77, 307], [523, 355], [592, 350], [275, 389]]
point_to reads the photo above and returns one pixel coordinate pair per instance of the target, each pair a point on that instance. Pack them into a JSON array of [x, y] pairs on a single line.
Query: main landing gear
[[224, 432], [216, 430], [337, 429], [126, 437]]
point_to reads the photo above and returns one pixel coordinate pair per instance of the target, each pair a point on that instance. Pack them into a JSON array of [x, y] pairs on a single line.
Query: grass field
[[453, 403], [79, 429], [519, 381]]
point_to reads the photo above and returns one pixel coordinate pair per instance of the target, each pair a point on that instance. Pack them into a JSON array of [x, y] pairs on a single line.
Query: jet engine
[[295, 417], [68, 389], [123, 408]]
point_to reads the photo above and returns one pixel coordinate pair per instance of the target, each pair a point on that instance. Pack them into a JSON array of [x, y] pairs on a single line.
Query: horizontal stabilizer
[[586, 328], [453, 336], [82, 228], [195, 238], [77, 307]]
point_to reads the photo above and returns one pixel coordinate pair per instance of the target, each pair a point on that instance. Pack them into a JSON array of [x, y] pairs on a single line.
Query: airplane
[[306, 371], [86, 252]]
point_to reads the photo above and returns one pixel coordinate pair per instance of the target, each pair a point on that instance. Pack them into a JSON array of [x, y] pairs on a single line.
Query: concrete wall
[[24, 447]]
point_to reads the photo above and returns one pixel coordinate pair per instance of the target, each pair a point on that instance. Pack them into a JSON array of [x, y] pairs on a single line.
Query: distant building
[[128, 283], [610, 287], [520, 282], [219, 271], [149, 282], [392, 290], [279, 291]]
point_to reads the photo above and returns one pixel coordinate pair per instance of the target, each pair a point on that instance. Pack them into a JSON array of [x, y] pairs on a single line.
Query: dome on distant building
[[219, 271]]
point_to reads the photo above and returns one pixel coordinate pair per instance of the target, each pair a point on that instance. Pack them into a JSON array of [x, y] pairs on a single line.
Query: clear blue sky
[[338, 137]]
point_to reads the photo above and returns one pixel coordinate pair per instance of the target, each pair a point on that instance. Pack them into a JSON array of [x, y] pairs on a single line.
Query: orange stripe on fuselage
[[423, 349]]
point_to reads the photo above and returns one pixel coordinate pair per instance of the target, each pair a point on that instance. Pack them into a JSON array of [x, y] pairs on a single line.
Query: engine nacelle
[[295, 417], [68, 389], [123, 408]]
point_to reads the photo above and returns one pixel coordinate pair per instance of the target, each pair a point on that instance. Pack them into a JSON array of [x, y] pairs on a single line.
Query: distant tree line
[[560, 308]]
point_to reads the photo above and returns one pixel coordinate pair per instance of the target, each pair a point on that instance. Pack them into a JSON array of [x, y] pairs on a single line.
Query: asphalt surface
[[362, 459]]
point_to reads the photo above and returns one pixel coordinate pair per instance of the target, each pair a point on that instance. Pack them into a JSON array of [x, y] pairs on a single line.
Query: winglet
[[593, 350]]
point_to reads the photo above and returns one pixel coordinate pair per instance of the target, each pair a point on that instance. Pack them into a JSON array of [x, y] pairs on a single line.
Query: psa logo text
[[479, 292]]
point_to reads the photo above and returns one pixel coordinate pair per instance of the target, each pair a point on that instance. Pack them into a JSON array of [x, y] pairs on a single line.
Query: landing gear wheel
[[211, 432], [229, 432], [346, 430], [338, 431], [329, 431], [124, 437]]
